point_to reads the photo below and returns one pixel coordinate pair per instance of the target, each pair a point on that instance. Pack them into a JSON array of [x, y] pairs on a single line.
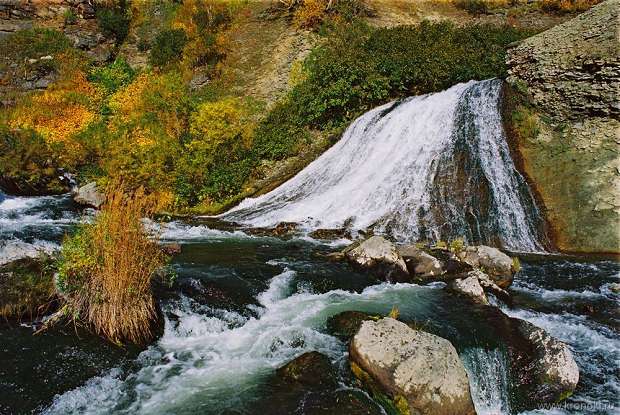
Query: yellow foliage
[[60, 112], [154, 96], [311, 13], [216, 122]]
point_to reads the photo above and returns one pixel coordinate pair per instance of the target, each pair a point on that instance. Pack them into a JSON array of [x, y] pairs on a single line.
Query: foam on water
[[32, 225], [13, 249], [596, 349]]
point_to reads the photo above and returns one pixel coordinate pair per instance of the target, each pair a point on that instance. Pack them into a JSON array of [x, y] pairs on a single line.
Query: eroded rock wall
[[571, 76]]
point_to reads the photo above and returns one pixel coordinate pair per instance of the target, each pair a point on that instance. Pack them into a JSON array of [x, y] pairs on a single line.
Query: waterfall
[[429, 167]]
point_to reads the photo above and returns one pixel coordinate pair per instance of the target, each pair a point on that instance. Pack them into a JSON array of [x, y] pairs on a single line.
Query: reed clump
[[106, 267]]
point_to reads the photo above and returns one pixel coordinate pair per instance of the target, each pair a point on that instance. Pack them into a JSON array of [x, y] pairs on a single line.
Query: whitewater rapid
[[386, 170], [33, 225]]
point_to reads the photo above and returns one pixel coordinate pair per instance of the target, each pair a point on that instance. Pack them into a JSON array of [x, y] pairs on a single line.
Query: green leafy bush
[[113, 76], [168, 47], [360, 67], [114, 19]]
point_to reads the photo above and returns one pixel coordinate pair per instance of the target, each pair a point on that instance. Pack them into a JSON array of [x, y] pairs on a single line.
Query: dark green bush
[[360, 67], [113, 76], [168, 47], [114, 20]]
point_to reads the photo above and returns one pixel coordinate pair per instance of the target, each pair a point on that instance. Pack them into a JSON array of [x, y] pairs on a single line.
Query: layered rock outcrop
[[569, 141]]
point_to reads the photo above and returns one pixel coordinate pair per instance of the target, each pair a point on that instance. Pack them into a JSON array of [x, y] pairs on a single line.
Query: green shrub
[[70, 17], [360, 67], [168, 47], [113, 76], [114, 19], [33, 43]]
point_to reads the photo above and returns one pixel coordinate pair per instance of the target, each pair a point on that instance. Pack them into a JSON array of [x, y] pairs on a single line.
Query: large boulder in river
[[553, 374], [420, 371], [378, 255], [89, 195], [419, 263], [469, 287], [494, 262]]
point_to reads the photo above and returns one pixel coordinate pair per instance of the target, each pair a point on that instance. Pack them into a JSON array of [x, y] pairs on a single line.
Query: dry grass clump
[[106, 267]]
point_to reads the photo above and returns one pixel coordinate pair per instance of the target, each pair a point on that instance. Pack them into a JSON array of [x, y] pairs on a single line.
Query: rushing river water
[[245, 305], [436, 166]]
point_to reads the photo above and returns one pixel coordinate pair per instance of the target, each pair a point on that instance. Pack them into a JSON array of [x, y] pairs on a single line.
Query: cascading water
[[430, 167]]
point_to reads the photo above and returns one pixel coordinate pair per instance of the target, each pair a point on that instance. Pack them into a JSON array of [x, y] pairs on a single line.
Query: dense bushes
[[114, 19], [168, 47], [113, 76], [27, 163], [360, 67]]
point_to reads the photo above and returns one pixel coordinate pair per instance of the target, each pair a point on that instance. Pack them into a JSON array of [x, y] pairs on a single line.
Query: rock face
[[497, 265], [89, 195], [419, 263], [378, 255], [412, 366], [571, 76], [346, 324], [554, 372]]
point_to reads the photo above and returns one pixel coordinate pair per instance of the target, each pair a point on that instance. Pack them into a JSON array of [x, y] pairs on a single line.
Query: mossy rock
[[346, 324], [27, 289], [311, 369], [346, 401]]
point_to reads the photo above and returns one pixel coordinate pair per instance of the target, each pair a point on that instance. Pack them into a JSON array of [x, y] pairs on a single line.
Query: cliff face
[[568, 132]]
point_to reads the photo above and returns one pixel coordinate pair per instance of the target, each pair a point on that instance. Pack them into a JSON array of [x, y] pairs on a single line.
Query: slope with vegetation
[[205, 102]]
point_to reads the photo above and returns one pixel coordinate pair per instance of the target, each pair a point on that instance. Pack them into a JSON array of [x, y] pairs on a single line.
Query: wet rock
[[450, 262], [282, 229], [343, 402], [469, 287], [378, 255], [311, 369], [89, 195], [497, 265], [554, 373], [490, 287], [421, 372], [330, 234], [615, 287], [542, 368], [419, 263], [346, 324], [26, 289], [171, 248]]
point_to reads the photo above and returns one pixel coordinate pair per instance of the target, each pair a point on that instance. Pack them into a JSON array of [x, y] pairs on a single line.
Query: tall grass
[[106, 270]]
